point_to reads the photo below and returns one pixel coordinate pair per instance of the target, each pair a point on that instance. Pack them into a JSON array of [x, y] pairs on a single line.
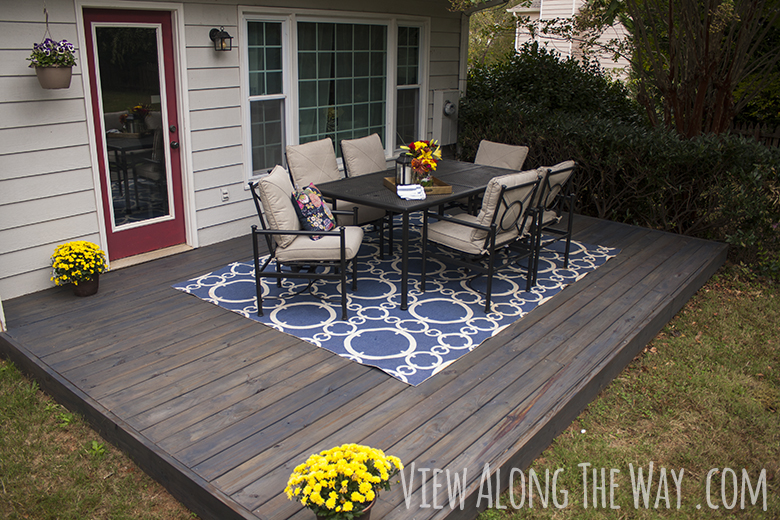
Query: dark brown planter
[[364, 515], [87, 288]]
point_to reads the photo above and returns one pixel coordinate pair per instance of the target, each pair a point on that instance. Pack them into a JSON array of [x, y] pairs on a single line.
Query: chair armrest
[[455, 220], [353, 212], [303, 232]]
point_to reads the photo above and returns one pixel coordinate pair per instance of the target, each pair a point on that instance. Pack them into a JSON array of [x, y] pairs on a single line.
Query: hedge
[[718, 187]]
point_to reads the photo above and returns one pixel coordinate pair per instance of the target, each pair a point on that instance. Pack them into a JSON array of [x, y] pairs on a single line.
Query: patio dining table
[[466, 179]]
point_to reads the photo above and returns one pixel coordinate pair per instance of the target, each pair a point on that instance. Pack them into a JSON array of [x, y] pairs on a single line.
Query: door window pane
[[350, 73], [128, 63]]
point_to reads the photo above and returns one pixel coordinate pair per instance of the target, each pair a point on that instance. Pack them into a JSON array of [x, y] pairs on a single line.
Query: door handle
[[174, 144]]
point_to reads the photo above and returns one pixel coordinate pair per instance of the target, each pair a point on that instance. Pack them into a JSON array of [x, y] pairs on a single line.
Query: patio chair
[[315, 162], [499, 155], [551, 198], [367, 155], [507, 222], [295, 253]]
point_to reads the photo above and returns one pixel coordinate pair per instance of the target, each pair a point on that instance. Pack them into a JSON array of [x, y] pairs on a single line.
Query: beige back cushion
[[501, 155], [313, 162], [491, 201], [559, 176], [111, 120], [275, 193], [363, 155]]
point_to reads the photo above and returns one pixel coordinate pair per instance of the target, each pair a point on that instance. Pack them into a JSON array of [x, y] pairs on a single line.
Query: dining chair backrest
[[313, 162], [501, 155], [506, 202], [272, 195], [554, 181], [113, 120], [363, 155]]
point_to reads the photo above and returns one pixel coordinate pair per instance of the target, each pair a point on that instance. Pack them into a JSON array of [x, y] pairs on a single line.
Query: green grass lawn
[[702, 397], [53, 466]]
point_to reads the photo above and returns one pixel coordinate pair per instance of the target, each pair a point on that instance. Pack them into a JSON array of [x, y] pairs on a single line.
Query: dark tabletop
[[465, 178]]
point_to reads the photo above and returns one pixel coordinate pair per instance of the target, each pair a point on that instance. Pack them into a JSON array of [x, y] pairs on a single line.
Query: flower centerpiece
[[425, 155], [342, 482], [134, 119], [53, 61], [78, 263]]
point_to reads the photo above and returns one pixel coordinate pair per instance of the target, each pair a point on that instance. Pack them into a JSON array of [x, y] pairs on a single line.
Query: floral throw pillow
[[312, 211]]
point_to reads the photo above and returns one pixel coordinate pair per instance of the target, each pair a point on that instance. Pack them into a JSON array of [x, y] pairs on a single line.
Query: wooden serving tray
[[439, 187]]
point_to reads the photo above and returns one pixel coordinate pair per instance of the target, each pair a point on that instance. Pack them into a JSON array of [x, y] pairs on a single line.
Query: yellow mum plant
[[340, 483], [76, 262]]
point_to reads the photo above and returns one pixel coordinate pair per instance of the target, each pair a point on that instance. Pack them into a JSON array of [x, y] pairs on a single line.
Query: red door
[[133, 89]]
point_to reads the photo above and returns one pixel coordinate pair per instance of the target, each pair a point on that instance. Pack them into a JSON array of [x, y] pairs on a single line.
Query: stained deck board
[[220, 409]]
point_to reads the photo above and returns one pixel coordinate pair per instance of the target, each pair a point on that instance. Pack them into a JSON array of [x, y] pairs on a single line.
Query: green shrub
[[718, 187]]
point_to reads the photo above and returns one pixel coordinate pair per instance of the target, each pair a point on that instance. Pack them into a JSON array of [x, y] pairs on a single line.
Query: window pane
[[406, 116], [267, 134], [265, 59], [351, 73], [264, 42], [408, 99], [408, 55]]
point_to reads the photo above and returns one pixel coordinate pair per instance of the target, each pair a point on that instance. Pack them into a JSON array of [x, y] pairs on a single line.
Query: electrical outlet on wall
[[225, 195]]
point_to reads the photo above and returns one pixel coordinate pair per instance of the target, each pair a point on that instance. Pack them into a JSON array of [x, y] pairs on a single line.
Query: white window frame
[[289, 19]]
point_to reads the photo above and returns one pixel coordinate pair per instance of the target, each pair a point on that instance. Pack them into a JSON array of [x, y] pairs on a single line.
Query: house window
[[408, 86], [266, 94], [307, 79], [342, 80]]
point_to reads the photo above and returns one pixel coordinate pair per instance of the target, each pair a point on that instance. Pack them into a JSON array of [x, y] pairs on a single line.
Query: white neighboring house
[[545, 10], [70, 162]]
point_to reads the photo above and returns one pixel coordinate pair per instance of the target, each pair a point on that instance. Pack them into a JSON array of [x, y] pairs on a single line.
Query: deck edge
[[208, 502]]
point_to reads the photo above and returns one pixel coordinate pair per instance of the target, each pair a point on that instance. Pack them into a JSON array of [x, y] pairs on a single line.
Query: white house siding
[[47, 193], [552, 9], [47, 190]]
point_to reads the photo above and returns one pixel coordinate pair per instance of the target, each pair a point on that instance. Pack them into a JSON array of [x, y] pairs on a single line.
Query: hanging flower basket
[[53, 60]]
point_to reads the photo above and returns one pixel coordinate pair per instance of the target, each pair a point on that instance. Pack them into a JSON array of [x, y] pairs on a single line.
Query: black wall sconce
[[222, 40]]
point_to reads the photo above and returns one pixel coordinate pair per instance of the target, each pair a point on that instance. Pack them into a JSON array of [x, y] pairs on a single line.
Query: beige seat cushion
[[326, 248], [501, 155], [313, 162], [459, 237], [276, 195], [363, 155]]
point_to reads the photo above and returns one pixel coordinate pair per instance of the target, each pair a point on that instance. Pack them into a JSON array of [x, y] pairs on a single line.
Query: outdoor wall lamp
[[222, 40]]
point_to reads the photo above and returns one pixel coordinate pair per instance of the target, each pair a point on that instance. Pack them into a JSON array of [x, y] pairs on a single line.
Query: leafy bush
[[719, 187]]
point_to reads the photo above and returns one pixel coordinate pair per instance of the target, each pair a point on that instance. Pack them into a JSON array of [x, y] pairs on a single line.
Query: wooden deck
[[220, 409]]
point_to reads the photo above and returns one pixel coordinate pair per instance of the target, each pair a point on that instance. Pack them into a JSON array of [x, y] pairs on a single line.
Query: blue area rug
[[441, 325]]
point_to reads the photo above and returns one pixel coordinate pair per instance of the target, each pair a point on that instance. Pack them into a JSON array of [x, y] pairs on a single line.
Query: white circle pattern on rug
[[441, 324]]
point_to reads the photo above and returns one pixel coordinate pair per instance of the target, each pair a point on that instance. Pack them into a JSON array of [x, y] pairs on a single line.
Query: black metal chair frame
[[523, 246], [557, 204], [299, 269]]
